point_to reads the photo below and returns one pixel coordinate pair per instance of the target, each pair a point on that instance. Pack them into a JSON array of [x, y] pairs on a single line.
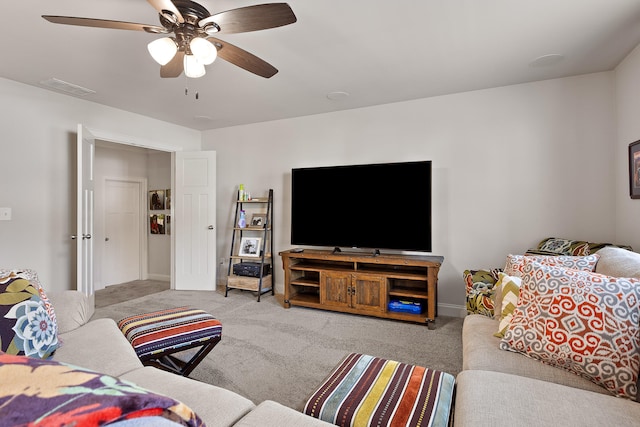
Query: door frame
[[107, 136], [142, 235]]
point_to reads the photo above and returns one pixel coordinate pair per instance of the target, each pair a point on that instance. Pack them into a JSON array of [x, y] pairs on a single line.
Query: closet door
[[194, 220]]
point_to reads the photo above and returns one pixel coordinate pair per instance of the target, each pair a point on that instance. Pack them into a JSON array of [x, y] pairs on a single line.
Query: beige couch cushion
[[530, 402], [99, 345], [273, 414], [216, 406], [618, 262], [480, 351], [73, 309]]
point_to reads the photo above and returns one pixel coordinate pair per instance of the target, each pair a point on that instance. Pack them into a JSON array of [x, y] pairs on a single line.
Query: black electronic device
[[251, 269], [377, 206]]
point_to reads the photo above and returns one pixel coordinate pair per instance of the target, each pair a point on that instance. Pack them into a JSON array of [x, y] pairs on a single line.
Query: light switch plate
[[5, 214]]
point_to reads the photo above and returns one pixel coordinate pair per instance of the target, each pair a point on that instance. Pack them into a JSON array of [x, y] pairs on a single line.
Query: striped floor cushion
[[369, 391], [169, 330]]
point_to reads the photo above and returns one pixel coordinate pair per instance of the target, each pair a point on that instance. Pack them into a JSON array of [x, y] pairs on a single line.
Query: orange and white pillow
[[580, 321], [515, 263]]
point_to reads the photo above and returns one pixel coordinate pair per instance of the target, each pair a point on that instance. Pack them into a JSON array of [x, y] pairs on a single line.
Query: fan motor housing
[[188, 7]]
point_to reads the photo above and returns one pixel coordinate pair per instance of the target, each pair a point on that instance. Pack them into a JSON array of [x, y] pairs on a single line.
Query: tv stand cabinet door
[[368, 292], [335, 289]]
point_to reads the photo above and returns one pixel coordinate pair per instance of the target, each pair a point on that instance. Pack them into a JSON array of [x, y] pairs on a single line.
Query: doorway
[[125, 251], [192, 240]]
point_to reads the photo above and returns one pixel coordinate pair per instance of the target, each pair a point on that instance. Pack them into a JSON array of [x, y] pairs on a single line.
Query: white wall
[[627, 210], [512, 165], [159, 247], [37, 176]]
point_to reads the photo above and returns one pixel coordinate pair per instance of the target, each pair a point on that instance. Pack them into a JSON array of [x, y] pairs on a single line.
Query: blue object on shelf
[[405, 306]]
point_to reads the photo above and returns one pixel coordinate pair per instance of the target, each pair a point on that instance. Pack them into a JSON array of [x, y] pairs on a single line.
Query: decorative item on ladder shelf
[[242, 222], [243, 195]]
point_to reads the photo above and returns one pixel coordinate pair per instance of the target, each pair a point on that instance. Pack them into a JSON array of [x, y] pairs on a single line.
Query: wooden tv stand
[[361, 283]]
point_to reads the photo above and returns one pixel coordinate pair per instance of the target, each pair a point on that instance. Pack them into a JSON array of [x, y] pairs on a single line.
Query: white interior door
[[122, 242], [84, 211], [194, 202]]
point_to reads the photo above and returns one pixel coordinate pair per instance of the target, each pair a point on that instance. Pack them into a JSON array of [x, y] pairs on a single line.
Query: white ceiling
[[378, 52]]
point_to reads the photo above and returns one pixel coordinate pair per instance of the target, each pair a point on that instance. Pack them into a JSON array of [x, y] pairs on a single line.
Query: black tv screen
[[376, 206]]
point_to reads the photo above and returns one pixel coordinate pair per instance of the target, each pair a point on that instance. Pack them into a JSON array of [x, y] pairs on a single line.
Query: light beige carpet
[[114, 294], [269, 352]]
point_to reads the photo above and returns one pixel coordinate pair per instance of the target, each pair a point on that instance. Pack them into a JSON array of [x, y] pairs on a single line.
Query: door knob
[[210, 227], [86, 236], [74, 237]]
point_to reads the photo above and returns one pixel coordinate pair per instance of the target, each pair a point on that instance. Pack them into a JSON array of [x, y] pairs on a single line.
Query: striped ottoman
[[370, 391], [156, 336]]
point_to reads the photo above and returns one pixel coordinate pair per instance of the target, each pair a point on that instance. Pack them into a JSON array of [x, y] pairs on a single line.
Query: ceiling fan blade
[[243, 59], [174, 67], [104, 23], [252, 18], [163, 6]]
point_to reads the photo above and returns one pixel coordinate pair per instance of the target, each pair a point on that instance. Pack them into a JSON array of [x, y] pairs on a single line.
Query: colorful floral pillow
[[27, 320], [514, 264], [510, 289], [48, 393], [480, 290], [583, 322]]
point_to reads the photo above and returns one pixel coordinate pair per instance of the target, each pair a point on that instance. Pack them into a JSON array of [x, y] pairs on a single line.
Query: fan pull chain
[[186, 90]]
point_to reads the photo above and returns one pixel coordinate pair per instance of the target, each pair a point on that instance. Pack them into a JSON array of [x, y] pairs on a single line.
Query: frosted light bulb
[[202, 49], [192, 67], [163, 50]]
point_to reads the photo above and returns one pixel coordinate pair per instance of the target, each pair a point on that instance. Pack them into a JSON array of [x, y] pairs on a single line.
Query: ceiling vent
[[69, 88]]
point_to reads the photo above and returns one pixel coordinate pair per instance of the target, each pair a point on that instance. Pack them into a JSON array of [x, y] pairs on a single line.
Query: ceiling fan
[[190, 27]]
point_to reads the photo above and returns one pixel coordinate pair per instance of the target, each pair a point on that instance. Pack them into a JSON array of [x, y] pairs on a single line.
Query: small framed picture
[[156, 223], [250, 246], [258, 220], [156, 200], [167, 199], [634, 170]]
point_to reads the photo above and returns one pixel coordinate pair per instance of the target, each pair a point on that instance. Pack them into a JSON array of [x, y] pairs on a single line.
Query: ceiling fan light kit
[[192, 47]]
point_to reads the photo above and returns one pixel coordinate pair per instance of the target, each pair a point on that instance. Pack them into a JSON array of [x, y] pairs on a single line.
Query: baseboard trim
[[452, 310], [161, 277]]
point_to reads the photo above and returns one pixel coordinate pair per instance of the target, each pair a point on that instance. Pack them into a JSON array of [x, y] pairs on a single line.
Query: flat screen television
[[371, 206]]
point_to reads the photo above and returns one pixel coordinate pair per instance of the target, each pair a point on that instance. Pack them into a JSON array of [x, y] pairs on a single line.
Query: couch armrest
[[73, 309]]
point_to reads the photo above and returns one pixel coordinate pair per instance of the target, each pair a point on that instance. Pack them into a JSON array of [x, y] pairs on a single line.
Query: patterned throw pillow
[[586, 323], [559, 246], [514, 264], [48, 393], [480, 288], [27, 320], [510, 292]]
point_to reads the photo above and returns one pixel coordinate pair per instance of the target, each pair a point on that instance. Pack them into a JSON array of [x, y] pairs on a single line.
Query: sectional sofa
[[100, 346], [502, 387], [498, 386]]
